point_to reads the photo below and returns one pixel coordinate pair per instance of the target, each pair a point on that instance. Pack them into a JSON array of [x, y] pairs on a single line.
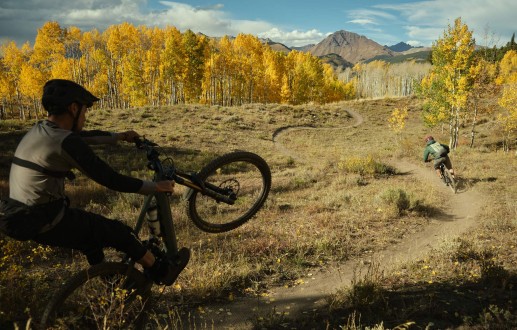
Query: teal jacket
[[437, 150]]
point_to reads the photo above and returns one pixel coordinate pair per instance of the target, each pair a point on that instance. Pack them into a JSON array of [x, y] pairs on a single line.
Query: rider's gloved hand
[[165, 186], [128, 136]]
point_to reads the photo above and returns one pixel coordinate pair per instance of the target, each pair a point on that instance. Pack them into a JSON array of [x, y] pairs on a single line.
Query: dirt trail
[[358, 120], [311, 293]]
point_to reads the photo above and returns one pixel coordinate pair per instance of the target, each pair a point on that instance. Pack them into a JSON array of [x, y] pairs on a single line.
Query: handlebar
[[169, 172], [142, 143], [154, 162]]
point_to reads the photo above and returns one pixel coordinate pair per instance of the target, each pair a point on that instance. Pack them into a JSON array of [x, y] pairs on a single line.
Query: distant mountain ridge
[[343, 49], [400, 47], [352, 47]]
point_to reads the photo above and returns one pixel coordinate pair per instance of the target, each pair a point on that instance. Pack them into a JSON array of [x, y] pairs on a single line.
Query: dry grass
[[334, 197]]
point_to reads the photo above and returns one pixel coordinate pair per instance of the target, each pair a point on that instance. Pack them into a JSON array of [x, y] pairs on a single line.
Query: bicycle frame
[[190, 181], [217, 180], [168, 234], [162, 199]]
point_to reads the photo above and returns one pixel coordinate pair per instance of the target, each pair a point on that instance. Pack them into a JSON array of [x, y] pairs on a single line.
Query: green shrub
[[364, 166], [396, 199]]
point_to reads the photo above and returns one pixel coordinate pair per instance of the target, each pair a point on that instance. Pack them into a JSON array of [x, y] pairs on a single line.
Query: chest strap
[[33, 166]]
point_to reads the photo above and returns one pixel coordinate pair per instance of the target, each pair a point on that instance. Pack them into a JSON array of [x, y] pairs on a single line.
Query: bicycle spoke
[[242, 176], [251, 186]]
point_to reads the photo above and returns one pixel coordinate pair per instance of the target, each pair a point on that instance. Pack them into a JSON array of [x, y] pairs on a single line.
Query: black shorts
[[446, 160], [90, 233]]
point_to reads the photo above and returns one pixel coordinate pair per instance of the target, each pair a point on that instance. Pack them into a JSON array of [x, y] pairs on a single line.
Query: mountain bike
[[222, 196], [447, 178]]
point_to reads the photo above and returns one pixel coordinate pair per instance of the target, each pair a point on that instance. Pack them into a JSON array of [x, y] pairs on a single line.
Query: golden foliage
[[447, 87], [508, 78], [128, 66], [363, 165], [397, 121]]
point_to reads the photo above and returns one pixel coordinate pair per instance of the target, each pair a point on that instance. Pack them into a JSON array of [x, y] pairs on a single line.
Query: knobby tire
[[450, 181], [246, 172], [447, 178], [108, 294]]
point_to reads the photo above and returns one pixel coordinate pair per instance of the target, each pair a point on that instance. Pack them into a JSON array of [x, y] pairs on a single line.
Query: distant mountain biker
[[37, 208], [440, 155]]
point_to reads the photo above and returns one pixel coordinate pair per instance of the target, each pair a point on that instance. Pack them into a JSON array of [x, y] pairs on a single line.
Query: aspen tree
[[172, 64], [194, 58], [11, 63], [483, 87], [227, 72], [152, 64], [249, 51], [274, 71], [31, 85], [72, 43], [135, 66], [95, 63], [508, 101], [49, 48], [447, 87]]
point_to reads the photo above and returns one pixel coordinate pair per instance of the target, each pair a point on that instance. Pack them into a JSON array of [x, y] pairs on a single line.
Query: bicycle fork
[[168, 233]]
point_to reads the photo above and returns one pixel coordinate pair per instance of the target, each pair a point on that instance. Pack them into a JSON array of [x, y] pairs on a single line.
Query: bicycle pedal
[[153, 246]]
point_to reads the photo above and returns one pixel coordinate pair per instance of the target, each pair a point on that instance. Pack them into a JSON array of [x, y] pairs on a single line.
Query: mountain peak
[[400, 47], [350, 46]]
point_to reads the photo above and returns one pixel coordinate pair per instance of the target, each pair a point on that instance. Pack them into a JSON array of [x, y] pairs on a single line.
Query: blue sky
[[292, 22]]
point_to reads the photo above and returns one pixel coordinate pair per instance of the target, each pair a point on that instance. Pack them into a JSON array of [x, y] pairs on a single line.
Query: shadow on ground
[[485, 304]]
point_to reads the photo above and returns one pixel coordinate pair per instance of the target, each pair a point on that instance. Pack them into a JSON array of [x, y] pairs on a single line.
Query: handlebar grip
[[143, 142]]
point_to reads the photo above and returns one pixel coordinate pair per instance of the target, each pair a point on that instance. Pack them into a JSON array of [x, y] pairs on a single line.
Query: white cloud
[[363, 21], [369, 14], [414, 43], [426, 20], [421, 21], [375, 24], [100, 14], [295, 37], [215, 22], [209, 20], [20, 19], [426, 35]]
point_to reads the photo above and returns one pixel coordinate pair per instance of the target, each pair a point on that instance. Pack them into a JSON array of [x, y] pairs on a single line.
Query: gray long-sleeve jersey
[[61, 150]]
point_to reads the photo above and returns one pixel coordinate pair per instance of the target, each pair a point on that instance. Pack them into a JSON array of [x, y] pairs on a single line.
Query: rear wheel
[[244, 177], [108, 295]]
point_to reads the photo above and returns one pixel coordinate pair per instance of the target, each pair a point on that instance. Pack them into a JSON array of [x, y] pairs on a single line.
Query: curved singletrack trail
[[314, 288]]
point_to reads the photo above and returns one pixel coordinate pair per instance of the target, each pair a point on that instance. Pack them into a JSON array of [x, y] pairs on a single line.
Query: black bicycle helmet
[[58, 94]]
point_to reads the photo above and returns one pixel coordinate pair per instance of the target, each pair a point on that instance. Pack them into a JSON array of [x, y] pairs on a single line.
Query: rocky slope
[[352, 47]]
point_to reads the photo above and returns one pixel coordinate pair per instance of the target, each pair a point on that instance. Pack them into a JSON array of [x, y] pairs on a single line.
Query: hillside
[[341, 197], [303, 48], [279, 47], [336, 61], [418, 56]]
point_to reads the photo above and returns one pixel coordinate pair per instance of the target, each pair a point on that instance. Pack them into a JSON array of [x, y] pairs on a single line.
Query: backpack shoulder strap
[[33, 166]]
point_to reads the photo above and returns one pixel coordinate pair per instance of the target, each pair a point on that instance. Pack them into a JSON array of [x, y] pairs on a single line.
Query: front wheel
[[107, 295], [450, 180], [242, 176]]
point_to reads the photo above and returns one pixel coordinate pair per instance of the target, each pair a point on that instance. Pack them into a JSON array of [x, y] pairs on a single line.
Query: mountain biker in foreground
[[440, 155], [38, 207]]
